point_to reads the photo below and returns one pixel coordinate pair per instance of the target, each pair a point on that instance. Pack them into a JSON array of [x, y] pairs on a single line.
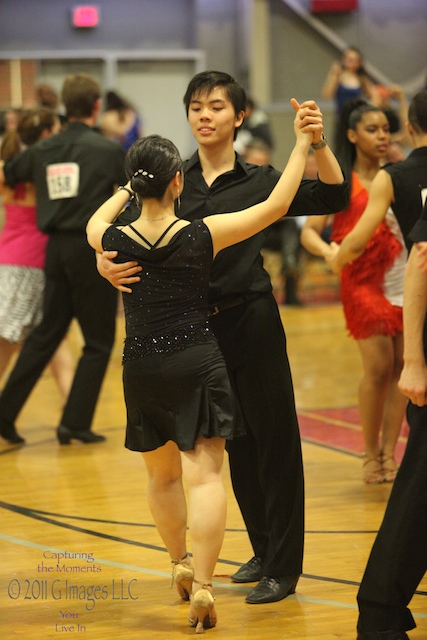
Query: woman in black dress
[[179, 401]]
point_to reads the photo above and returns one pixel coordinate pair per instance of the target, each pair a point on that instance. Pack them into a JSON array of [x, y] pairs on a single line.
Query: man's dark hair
[[79, 94], [206, 81], [417, 112]]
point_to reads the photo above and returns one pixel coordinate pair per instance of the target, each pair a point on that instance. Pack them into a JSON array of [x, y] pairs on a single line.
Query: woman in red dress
[[371, 289]]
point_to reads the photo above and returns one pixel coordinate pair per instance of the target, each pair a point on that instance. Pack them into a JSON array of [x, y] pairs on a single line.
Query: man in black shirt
[[266, 464], [74, 172], [398, 559]]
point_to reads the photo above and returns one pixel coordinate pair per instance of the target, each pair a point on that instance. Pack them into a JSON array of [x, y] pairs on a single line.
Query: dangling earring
[[179, 201]]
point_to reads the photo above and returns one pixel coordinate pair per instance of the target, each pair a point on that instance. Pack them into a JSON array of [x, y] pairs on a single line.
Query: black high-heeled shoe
[[9, 433], [65, 435]]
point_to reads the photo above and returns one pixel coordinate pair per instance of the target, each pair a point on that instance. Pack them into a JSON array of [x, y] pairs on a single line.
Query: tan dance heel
[[182, 576], [202, 613], [390, 468], [372, 470]]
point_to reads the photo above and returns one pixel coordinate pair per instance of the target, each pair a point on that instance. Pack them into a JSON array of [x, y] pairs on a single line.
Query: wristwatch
[[320, 145], [131, 195]]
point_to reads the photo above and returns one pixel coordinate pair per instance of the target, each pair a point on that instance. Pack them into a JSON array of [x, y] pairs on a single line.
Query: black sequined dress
[[175, 380]]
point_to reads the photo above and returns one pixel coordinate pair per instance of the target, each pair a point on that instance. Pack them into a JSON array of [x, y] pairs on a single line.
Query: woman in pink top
[[22, 252]]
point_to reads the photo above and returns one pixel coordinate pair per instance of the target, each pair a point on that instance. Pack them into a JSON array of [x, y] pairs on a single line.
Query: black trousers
[[398, 559], [74, 289], [266, 464]]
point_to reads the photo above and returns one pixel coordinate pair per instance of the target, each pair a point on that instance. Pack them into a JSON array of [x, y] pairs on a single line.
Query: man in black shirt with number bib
[[74, 172]]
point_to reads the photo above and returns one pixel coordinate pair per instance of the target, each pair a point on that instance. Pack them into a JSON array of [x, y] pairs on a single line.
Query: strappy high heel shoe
[[182, 576], [389, 468], [372, 470], [202, 613]]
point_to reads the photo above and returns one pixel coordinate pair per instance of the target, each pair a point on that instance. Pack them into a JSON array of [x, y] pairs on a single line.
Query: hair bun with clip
[[142, 172]]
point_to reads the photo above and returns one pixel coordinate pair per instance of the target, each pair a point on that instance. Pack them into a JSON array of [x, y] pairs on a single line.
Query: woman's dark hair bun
[[150, 165]]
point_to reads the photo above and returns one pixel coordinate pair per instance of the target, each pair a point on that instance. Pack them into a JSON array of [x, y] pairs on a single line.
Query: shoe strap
[[204, 585], [179, 560]]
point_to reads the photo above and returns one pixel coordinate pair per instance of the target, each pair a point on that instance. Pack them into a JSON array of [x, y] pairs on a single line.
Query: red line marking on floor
[[340, 429]]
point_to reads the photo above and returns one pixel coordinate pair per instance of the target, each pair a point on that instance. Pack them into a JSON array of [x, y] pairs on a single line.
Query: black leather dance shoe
[[272, 589], [65, 435], [249, 572], [9, 433]]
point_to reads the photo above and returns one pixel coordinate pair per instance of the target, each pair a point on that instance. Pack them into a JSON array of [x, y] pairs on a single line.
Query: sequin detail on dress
[[177, 340]]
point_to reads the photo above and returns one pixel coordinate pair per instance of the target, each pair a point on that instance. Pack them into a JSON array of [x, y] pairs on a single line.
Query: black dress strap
[[165, 232], [153, 246]]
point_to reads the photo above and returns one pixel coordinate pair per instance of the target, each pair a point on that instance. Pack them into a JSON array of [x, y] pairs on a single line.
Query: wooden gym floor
[[89, 503]]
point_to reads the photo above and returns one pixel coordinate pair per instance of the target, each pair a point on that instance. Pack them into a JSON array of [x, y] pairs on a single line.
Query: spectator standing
[[47, 96], [255, 129], [120, 120], [284, 236], [347, 80]]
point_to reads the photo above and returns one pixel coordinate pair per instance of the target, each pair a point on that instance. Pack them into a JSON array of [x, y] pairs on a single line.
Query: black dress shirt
[[409, 178], [238, 270], [74, 172]]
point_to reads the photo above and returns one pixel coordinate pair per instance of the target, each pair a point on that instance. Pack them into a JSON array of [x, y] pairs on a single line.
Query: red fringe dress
[[366, 309]]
